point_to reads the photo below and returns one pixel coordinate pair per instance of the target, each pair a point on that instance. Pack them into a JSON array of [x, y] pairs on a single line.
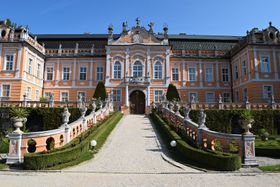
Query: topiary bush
[[172, 93], [100, 91]]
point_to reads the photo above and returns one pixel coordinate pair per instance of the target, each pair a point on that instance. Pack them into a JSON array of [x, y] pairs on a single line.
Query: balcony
[[137, 81]]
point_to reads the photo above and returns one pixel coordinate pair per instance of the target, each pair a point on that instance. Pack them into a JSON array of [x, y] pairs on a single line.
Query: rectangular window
[[192, 74], [66, 73], [83, 95], [193, 97], [267, 92], [244, 68], [116, 95], [28, 93], [157, 96], [49, 73], [209, 73], [99, 73], [265, 64], [236, 96], [38, 70], [236, 72], [6, 90], [30, 65], [47, 94], [225, 74], [9, 62], [37, 95], [175, 74], [83, 73], [64, 97], [226, 97], [210, 97]]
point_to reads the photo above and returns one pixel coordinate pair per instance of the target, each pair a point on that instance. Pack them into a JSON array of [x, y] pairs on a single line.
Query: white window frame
[[175, 74], [236, 96], [209, 75], [210, 100], [158, 74], [2, 90], [117, 97], [29, 92], [192, 75], [38, 70], [99, 74], [29, 66], [80, 73], [12, 62], [266, 94], [117, 73], [225, 75], [265, 66], [47, 94], [157, 96], [66, 73], [37, 95], [84, 95], [61, 98], [137, 71], [49, 73], [190, 96]]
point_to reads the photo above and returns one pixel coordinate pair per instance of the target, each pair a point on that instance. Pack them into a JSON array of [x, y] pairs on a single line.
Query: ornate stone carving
[[202, 119], [65, 116], [187, 110]]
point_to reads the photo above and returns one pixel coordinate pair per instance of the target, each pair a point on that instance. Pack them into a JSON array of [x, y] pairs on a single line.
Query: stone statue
[[163, 97], [80, 101], [151, 25], [137, 22], [51, 100], [220, 99], [93, 104], [187, 110], [193, 99], [124, 27], [65, 116], [202, 119]]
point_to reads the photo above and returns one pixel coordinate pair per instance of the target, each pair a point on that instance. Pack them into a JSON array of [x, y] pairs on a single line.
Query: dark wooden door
[[137, 102]]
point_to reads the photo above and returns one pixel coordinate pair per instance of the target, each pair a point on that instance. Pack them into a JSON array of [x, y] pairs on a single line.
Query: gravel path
[[131, 148]]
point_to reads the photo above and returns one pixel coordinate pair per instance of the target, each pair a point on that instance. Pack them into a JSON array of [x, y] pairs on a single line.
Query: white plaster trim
[[256, 64]]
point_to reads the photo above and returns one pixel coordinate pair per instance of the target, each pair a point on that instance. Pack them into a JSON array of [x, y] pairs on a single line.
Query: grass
[[2, 166], [273, 168], [271, 142]]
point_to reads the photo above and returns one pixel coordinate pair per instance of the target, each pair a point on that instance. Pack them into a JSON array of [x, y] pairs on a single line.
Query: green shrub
[[4, 145], [172, 93], [273, 152], [100, 91], [218, 161], [75, 150]]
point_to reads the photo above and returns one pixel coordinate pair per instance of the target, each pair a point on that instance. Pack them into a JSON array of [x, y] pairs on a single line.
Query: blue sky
[[210, 17]]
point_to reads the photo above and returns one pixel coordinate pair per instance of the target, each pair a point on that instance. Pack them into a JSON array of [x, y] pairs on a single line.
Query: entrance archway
[[137, 102]]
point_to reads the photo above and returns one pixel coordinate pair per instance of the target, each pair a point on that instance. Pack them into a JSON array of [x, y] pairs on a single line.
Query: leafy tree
[[100, 91], [172, 93]]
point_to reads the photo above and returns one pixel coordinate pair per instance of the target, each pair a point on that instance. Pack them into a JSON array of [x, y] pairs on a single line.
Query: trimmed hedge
[[77, 148], [273, 152], [227, 120], [217, 161]]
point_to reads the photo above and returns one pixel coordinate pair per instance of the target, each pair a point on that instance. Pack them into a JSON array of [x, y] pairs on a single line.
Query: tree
[[100, 91], [172, 93]]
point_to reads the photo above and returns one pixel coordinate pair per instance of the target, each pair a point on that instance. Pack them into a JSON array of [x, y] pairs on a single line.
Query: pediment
[[137, 35]]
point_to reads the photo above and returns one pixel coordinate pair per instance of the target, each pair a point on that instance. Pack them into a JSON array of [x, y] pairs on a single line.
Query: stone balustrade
[[19, 145], [208, 139]]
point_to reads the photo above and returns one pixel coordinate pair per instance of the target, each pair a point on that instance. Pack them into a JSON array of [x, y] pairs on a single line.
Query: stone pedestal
[[15, 156], [249, 158], [67, 134]]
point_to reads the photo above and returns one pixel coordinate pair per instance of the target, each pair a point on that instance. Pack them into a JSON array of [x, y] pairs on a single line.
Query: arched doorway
[[137, 102]]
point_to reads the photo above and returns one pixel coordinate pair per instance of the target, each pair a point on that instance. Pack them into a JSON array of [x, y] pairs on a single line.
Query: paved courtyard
[[132, 156]]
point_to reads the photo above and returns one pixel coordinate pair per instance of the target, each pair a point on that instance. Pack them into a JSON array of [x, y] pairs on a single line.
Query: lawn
[[273, 141], [2, 166], [273, 168]]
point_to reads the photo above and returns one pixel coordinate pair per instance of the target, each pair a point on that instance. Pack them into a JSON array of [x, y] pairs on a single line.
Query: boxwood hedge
[[217, 161], [77, 148]]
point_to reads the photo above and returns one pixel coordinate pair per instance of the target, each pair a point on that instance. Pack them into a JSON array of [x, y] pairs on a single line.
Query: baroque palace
[[137, 65]]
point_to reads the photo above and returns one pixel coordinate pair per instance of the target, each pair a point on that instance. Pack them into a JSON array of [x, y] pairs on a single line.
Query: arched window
[[117, 70], [137, 69], [158, 70]]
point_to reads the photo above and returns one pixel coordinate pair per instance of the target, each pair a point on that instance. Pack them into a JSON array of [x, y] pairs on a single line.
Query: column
[[149, 62], [57, 72], [91, 73], [148, 96], [276, 76], [184, 74], [74, 72], [217, 74], [126, 61], [18, 62], [167, 60], [126, 96], [256, 64], [107, 81]]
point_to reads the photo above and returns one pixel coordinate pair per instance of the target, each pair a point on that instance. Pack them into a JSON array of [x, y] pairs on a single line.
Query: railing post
[[221, 104], [247, 104], [201, 126], [272, 103], [15, 156]]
